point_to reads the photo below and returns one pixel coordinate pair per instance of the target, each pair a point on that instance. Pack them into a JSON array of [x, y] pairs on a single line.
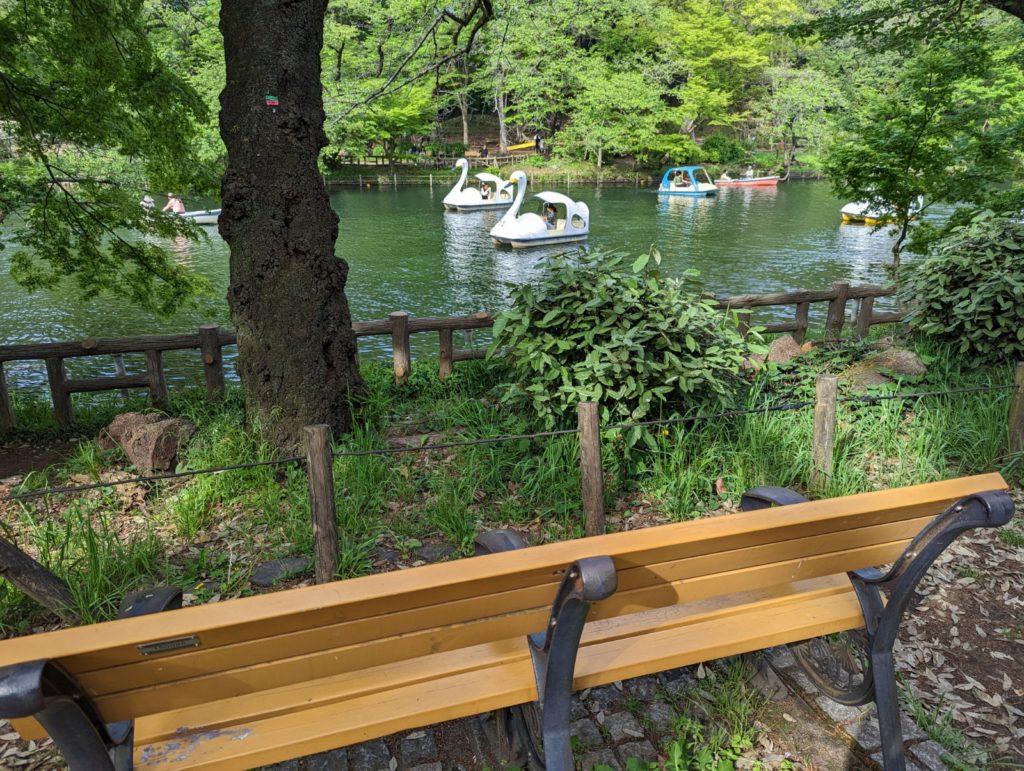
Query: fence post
[[864, 311], [447, 349], [6, 413], [321, 501], [1017, 410], [837, 311], [590, 466], [157, 383], [802, 312], [61, 398], [822, 452], [213, 364], [400, 345], [743, 321]]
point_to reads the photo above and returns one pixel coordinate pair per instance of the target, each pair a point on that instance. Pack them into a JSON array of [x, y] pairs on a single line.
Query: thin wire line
[[153, 478]]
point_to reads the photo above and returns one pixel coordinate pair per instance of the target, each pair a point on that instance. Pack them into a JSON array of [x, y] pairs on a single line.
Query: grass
[[214, 529]]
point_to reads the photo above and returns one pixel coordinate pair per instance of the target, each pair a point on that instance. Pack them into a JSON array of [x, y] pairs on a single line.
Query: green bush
[[720, 148], [602, 329], [445, 149], [969, 290]]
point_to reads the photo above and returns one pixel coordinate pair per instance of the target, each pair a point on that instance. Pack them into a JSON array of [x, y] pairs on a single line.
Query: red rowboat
[[749, 182]]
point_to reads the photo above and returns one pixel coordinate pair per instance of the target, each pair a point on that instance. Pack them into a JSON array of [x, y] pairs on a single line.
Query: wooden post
[[321, 501], [400, 345], [1017, 410], [447, 349], [837, 311], [157, 383], [822, 452], [864, 311], [802, 312], [121, 372], [213, 363], [590, 466], [36, 581], [743, 322], [6, 413], [61, 398]]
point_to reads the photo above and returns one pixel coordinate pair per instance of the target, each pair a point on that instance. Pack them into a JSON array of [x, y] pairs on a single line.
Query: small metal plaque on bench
[[163, 646]]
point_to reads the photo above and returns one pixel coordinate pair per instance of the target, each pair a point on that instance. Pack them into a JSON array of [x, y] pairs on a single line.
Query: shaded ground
[[20, 459]]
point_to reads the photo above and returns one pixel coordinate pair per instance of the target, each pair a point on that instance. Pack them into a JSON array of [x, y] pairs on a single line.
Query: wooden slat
[[447, 627], [114, 643], [318, 728]]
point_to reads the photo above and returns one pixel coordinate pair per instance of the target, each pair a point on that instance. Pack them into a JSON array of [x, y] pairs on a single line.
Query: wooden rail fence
[[210, 341]]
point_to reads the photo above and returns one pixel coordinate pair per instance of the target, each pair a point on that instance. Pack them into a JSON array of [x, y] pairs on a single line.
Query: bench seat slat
[[443, 627], [199, 688], [88, 648], [612, 650]]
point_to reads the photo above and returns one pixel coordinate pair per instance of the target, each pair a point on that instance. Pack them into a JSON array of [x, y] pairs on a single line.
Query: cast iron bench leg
[[861, 667], [554, 655], [46, 691]]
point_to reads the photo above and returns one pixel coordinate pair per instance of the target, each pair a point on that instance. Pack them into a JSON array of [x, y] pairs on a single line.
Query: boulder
[[897, 361], [783, 349], [150, 441], [863, 374], [270, 573]]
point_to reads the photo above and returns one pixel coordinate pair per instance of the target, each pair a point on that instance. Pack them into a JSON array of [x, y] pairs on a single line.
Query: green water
[[406, 253]]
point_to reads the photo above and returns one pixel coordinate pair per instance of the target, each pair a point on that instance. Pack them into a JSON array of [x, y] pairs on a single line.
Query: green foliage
[[970, 290], [603, 329], [720, 148], [95, 119]]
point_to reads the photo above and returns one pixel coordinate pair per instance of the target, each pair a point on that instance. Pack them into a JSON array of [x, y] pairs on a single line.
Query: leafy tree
[[945, 128], [389, 121], [96, 120]]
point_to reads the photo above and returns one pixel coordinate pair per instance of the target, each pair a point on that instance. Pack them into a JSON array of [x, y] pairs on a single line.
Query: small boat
[[686, 180], [769, 181], [462, 198], [572, 220], [863, 213], [202, 217]]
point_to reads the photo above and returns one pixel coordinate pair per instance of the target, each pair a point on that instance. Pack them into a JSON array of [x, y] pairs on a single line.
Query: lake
[[406, 253]]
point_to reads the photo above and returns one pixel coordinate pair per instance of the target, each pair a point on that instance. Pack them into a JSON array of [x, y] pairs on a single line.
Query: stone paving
[[635, 719]]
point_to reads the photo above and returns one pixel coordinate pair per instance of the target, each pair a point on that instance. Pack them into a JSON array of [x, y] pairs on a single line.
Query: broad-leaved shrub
[[609, 329], [969, 290]]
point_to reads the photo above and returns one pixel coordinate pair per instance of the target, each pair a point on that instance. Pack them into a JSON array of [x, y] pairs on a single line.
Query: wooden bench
[[262, 679]]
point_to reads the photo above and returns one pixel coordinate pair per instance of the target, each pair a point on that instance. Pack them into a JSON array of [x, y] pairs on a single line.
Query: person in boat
[[725, 176], [749, 173], [485, 191], [175, 204], [681, 180], [550, 216]]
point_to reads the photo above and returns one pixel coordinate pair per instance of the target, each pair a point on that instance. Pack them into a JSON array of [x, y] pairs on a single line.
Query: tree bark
[[464, 109], [286, 294], [499, 107], [1014, 7]]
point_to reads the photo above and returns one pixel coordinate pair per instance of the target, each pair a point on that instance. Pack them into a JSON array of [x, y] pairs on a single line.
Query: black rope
[[920, 394], [785, 407], [731, 413], [153, 478]]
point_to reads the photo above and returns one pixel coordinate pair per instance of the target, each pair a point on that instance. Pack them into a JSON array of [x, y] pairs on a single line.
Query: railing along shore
[[210, 341]]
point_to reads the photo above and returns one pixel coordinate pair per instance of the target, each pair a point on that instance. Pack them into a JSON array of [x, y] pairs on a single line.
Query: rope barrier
[[153, 478], [785, 407]]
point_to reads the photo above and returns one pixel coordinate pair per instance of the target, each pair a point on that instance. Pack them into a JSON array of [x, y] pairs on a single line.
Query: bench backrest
[[152, 664]]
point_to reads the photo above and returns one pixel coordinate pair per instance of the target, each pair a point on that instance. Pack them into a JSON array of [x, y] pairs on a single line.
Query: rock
[[418, 747], [335, 760], [784, 349], [898, 361], [370, 756], [754, 361], [270, 573], [381, 555], [603, 757], [622, 726], [150, 441], [586, 733], [863, 374], [433, 552]]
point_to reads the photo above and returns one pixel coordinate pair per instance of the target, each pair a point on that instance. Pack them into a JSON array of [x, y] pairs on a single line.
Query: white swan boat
[[462, 198], [572, 220], [863, 213]]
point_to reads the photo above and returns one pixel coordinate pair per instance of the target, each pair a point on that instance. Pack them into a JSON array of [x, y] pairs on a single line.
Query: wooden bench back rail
[[266, 678], [211, 339]]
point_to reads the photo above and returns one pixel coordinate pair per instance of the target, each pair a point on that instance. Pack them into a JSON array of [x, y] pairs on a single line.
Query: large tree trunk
[[297, 352], [499, 106]]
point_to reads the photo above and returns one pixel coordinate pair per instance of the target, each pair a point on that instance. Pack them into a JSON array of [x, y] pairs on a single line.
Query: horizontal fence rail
[[210, 341]]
